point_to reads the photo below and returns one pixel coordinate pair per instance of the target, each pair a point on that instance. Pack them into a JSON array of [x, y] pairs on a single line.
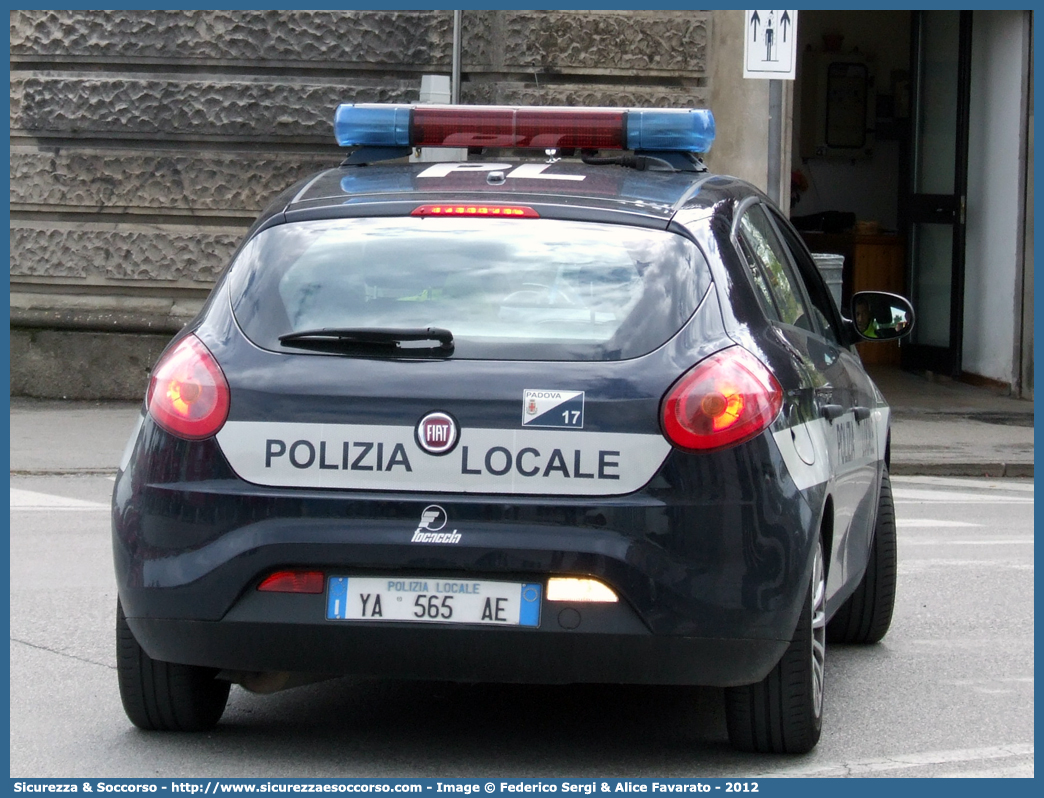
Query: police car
[[570, 410]]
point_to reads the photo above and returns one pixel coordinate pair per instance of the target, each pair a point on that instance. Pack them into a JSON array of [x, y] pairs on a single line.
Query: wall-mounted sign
[[770, 45]]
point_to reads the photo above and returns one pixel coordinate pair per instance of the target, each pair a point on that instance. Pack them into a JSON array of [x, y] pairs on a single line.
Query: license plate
[[433, 600]]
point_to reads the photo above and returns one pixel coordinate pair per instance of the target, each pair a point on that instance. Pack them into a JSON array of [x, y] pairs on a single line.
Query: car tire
[[783, 713], [165, 696], [867, 614]]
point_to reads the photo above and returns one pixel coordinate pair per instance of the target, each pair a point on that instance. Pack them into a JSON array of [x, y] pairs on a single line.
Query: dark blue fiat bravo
[[571, 409]]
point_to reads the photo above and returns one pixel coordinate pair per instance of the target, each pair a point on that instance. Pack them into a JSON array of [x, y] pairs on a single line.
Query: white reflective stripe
[[805, 475], [839, 446], [376, 457], [880, 416]]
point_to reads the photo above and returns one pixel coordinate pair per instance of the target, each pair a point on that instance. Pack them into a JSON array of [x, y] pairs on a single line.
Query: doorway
[[933, 205], [893, 202]]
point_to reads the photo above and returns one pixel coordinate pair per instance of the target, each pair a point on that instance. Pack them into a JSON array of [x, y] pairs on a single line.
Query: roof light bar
[[372, 125], [670, 130], [661, 129]]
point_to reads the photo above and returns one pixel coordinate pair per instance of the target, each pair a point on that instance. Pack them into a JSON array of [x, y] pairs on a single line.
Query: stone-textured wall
[[143, 143], [621, 43]]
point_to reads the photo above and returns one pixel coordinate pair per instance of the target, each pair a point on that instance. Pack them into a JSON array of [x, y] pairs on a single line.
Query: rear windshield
[[533, 289]]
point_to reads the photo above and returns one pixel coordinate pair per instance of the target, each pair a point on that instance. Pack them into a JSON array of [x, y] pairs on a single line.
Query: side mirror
[[879, 316]]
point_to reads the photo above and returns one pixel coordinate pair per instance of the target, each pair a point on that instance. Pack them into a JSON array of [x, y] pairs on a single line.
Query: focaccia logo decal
[[433, 518], [551, 408]]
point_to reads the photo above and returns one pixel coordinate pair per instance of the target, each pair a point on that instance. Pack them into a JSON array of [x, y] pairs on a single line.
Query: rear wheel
[[867, 614], [783, 713], [164, 696]]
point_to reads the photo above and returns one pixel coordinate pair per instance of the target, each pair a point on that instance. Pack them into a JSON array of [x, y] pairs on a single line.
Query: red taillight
[[459, 126], [293, 582], [728, 398], [468, 209], [188, 393]]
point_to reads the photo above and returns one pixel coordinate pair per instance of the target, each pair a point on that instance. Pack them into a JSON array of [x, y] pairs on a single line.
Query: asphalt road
[[949, 692]]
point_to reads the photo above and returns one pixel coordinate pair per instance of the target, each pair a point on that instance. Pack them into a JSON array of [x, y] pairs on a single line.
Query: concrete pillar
[[741, 111]]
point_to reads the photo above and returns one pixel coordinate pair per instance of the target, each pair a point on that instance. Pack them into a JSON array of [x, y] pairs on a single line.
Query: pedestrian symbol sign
[[770, 45]]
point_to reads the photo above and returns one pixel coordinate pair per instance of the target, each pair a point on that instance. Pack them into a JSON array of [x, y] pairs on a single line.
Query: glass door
[[935, 204]]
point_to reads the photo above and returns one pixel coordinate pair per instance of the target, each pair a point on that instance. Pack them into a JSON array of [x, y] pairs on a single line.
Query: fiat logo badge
[[437, 433]]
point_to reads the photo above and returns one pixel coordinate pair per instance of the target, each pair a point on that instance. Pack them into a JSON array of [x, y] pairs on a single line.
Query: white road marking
[[955, 542], [1023, 770], [908, 567], [973, 682], [905, 495], [954, 482], [964, 644], [31, 500], [903, 523], [903, 761]]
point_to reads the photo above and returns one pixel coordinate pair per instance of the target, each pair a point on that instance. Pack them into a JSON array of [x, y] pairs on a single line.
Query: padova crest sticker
[[552, 408]]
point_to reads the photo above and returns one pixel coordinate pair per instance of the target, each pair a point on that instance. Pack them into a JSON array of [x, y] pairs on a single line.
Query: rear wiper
[[383, 340]]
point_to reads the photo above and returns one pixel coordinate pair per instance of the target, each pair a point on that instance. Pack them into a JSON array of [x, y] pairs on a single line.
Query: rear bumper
[[676, 622], [458, 654]]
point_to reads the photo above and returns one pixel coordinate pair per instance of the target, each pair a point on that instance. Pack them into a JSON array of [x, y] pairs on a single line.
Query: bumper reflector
[[293, 582], [572, 589]]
